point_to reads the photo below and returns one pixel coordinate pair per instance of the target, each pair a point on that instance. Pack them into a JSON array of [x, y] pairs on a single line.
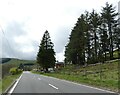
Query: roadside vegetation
[[11, 70], [7, 65], [93, 45], [104, 76], [0, 86], [7, 80]]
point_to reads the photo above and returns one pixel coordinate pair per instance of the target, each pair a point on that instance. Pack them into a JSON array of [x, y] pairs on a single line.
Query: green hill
[[12, 62], [4, 60]]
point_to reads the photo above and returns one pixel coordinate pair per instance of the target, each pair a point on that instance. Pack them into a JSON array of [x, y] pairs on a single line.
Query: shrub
[[15, 70]]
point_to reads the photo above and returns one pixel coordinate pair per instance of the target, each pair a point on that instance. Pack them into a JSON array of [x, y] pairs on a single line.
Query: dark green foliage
[[109, 15], [4, 60], [95, 22], [21, 66], [94, 38], [117, 39], [75, 49], [104, 41], [46, 54]]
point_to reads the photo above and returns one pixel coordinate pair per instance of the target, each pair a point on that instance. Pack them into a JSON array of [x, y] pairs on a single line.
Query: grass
[[115, 54], [0, 86], [100, 75], [8, 80]]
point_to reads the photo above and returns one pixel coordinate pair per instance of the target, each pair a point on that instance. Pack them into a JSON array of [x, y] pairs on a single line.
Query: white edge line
[[53, 86], [12, 89], [39, 78], [80, 84]]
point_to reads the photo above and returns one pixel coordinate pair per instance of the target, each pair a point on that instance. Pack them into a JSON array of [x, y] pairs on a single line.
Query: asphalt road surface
[[34, 83]]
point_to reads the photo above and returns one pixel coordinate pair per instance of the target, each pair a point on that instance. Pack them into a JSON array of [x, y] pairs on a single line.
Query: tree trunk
[[111, 42], [95, 45], [105, 55], [46, 70], [118, 51]]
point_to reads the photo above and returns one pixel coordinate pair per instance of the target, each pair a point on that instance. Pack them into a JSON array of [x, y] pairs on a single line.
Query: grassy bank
[[0, 86], [101, 75], [8, 80]]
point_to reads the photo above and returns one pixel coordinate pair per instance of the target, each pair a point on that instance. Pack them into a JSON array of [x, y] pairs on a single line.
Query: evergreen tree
[[75, 50], [95, 22], [88, 38], [117, 39], [109, 15], [104, 42], [92, 37], [46, 54]]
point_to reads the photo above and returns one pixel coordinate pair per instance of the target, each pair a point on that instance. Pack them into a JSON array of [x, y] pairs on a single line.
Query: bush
[[15, 70]]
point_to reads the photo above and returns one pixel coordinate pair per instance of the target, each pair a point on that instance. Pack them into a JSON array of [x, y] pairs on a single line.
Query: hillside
[[14, 61], [4, 60]]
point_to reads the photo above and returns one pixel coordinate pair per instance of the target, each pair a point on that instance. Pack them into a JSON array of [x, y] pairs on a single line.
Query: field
[[99, 75]]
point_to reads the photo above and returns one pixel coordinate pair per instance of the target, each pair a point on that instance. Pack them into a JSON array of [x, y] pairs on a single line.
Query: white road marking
[[12, 89], [80, 84], [53, 86], [26, 72], [39, 78]]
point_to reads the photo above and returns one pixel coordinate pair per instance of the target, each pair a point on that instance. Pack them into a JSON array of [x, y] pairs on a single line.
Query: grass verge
[[0, 86], [104, 84], [8, 80], [104, 76]]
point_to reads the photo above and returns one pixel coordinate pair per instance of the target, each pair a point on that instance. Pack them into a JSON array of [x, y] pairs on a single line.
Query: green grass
[[115, 54], [7, 80], [90, 75], [0, 86]]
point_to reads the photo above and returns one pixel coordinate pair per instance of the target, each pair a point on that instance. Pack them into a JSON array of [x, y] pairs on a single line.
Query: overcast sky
[[25, 21]]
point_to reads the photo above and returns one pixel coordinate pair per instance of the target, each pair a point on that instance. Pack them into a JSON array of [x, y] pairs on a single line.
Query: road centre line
[[39, 79], [53, 86]]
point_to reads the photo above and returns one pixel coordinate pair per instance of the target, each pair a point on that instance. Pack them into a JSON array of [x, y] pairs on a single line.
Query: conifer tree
[[46, 54]]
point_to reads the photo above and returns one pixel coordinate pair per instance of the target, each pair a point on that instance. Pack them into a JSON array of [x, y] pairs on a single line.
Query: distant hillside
[[14, 61], [8, 63], [4, 60]]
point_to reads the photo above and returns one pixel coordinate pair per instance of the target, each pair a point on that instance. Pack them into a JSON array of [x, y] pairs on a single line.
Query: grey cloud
[[9, 47], [61, 38]]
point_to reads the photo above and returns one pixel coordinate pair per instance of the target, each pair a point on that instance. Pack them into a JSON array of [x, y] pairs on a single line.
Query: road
[[34, 83]]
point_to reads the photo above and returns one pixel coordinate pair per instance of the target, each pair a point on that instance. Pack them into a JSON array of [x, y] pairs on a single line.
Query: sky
[[23, 23]]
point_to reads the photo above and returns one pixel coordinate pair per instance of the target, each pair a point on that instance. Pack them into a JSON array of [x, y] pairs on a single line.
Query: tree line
[[94, 37]]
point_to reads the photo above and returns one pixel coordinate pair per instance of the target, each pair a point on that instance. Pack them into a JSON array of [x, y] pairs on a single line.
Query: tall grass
[[7, 80]]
